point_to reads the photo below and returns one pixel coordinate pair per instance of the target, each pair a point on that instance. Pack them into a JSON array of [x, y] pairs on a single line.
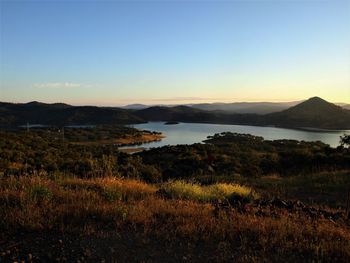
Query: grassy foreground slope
[[119, 220]]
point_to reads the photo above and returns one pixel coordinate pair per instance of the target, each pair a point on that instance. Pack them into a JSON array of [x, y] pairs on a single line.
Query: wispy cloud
[[55, 85]]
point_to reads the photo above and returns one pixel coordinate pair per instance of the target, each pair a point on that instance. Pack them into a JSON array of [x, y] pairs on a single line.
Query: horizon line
[[148, 103]]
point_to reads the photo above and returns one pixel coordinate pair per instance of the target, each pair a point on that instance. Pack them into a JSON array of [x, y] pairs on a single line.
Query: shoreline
[[128, 140]]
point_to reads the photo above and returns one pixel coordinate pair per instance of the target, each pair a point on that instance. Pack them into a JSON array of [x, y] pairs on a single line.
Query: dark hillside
[[62, 114], [315, 112], [178, 113], [189, 114]]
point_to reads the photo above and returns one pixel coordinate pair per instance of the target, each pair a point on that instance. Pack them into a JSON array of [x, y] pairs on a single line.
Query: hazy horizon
[[154, 103], [114, 53]]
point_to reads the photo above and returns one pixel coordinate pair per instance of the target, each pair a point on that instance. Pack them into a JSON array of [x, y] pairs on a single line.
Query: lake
[[189, 133]]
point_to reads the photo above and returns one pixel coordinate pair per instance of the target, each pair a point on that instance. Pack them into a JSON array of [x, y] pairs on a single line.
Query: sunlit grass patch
[[111, 188], [183, 190], [222, 191]]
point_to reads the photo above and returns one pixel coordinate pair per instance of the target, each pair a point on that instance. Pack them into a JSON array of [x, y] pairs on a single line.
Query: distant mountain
[[135, 107], [235, 107], [176, 113], [246, 107], [344, 105], [315, 112], [41, 104], [189, 114], [62, 114], [312, 113]]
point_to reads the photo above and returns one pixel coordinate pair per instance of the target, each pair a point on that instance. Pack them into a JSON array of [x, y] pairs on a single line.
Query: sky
[[168, 52]]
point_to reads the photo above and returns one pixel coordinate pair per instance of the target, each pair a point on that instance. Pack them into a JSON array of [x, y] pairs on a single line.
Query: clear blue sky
[[113, 53]]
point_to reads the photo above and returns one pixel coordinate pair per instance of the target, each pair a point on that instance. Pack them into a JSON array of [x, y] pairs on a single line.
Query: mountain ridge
[[62, 114], [263, 107], [316, 111], [313, 113]]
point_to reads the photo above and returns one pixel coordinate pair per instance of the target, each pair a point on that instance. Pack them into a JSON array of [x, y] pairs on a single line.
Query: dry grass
[[39, 203], [126, 140], [73, 204], [215, 192]]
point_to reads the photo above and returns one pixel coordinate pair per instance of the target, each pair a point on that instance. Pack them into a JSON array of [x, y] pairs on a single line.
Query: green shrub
[[111, 194], [232, 192], [39, 193], [150, 174]]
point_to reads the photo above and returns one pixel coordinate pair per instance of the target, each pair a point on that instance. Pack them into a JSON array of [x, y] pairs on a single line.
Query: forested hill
[[315, 112], [62, 114], [312, 113]]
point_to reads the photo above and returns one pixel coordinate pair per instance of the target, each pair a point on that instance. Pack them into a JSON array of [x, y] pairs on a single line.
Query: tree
[[345, 140]]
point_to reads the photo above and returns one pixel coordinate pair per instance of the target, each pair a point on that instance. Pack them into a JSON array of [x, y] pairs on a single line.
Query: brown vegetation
[[88, 208], [133, 139]]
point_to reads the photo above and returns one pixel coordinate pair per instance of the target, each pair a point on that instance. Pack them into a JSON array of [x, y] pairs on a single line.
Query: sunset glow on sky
[[166, 52]]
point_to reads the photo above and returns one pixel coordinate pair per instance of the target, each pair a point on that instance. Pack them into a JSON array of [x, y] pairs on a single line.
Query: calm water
[[189, 133]]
